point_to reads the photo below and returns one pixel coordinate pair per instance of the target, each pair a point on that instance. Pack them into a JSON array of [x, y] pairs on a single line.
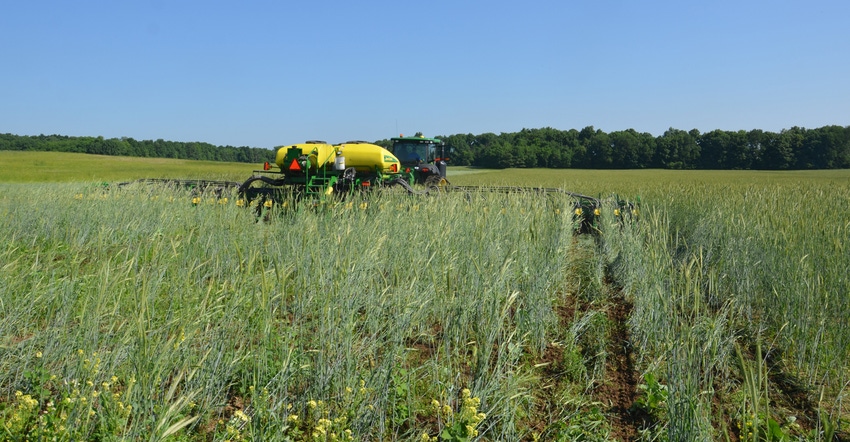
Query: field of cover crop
[[720, 315]]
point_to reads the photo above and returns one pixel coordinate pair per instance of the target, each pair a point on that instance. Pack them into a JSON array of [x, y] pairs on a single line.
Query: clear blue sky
[[267, 73]]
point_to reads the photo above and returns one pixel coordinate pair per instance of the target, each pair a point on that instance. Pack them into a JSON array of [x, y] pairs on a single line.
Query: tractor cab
[[425, 158]]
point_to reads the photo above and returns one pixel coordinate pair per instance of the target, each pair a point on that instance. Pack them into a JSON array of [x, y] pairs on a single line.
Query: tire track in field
[[619, 389]]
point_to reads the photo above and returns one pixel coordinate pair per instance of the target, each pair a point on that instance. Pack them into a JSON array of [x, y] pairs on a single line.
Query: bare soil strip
[[619, 390]]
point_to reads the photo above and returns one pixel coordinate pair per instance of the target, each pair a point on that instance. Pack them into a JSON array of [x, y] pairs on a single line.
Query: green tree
[[676, 149], [713, 149], [736, 153], [598, 150], [631, 150]]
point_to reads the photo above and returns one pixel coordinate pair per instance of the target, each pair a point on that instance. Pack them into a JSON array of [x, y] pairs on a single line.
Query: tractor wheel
[[435, 182]]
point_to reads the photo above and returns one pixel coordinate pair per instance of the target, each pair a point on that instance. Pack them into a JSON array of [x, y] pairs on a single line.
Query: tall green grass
[[206, 320], [758, 264]]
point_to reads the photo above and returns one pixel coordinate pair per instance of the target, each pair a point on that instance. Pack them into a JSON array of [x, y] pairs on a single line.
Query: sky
[[271, 73]]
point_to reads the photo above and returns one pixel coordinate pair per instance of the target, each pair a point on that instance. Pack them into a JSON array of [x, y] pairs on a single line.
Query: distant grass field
[[140, 314], [638, 182], [29, 167]]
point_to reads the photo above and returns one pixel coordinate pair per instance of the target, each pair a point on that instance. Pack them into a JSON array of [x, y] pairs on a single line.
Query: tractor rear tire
[[435, 182]]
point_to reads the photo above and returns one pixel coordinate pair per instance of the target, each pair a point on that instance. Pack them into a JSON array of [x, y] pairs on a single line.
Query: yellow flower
[[239, 414], [31, 403], [38, 354]]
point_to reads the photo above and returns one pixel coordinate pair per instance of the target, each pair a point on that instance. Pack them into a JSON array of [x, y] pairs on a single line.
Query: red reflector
[[394, 168], [294, 166], [365, 184], [425, 169], [267, 166], [407, 170], [437, 159]]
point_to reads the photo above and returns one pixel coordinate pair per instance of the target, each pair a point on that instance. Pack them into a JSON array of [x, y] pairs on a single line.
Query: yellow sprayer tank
[[319, 153], [367, 157]]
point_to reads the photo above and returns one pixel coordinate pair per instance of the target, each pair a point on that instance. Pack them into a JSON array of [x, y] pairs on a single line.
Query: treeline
[[135, 148], [827, 147]]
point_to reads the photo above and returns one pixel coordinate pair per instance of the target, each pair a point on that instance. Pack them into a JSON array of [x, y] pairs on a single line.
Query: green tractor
[[424, 158]]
